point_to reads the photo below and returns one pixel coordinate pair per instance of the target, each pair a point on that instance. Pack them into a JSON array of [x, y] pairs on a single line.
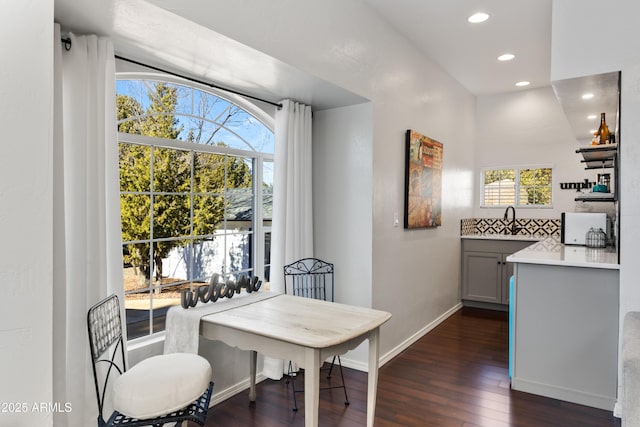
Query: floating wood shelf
[[596, 197], [599, 156]]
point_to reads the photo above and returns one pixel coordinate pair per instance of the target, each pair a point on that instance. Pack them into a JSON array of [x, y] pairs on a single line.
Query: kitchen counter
[[551, 252], [494, 236], [564, 322]]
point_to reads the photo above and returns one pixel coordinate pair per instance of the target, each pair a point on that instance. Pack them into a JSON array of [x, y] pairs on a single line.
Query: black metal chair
[[311, 278], [170, 388]]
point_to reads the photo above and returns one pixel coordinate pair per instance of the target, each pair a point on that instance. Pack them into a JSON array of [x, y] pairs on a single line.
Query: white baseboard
[[617, 409], [231, 391], [362, 366], [563, 393], [358, 365], [415, 337]]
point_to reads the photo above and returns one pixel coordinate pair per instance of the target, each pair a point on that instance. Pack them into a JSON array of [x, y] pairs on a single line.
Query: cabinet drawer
[[501, 246]]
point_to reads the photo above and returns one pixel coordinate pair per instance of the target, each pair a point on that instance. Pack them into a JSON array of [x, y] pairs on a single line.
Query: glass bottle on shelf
[[603, 131]]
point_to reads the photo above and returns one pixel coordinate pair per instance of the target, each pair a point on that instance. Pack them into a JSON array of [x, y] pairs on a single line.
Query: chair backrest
[[106, 344], [310, 278]]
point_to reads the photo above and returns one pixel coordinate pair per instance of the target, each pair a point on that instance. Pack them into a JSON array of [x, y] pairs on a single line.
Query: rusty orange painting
[[423, 181]]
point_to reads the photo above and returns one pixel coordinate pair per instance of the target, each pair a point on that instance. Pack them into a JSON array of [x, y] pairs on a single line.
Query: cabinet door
[[482, 276], [507, 272]]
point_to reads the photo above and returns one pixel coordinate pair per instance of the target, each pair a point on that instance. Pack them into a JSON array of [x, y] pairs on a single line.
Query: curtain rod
[[67, 46]]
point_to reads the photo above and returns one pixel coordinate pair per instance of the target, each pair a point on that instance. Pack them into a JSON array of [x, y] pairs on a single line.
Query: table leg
[[372, 388], [253, 360], [311, 387]]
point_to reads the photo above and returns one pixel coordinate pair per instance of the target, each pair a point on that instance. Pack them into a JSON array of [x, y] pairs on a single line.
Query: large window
[[196, 185], [519, 187]]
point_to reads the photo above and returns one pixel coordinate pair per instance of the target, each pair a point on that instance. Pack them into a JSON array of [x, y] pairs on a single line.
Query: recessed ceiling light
[[523, 83], [478, 17], [592, 117], [587, 96], [506, 57]]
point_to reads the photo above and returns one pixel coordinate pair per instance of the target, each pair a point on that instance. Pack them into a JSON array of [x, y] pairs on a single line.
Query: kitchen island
[[564, 331]]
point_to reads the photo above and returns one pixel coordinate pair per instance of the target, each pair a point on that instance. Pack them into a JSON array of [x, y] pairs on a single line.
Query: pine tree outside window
[[196, 186]]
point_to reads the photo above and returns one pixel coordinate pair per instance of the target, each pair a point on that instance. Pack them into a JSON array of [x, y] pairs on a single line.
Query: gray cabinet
[[485, 270], [565, 333]]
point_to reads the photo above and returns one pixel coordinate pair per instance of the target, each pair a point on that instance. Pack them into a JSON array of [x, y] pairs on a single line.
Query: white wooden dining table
[[303, 330]]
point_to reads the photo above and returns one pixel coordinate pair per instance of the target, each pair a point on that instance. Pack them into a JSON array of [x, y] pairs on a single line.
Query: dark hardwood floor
[[455, 376]]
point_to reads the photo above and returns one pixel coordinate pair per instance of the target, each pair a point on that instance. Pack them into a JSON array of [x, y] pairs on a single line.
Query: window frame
[[259, 230], [517, 169]]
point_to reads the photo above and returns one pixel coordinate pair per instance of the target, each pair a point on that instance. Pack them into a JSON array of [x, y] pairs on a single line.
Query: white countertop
[[493, 236], [551, 252]]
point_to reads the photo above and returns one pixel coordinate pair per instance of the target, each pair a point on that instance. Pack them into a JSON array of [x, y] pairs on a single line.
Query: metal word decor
[[216, 289], [577, 185]]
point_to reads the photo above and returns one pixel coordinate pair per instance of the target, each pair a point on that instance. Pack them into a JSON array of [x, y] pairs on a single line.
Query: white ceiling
[[154, 36], [604, 87], [438, 27], [469, 52]]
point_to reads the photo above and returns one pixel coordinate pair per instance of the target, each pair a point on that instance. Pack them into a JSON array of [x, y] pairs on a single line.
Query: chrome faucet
[[514, 229]]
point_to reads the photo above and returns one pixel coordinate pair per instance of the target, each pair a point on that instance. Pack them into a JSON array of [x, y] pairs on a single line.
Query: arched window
[[196, 185]]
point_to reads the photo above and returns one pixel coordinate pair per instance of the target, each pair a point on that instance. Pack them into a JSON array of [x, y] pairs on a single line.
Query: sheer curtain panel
[[87, 250], [292, 227]]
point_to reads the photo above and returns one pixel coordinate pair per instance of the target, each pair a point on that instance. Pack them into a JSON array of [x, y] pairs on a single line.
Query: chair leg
[[344, 386], [333, 361], [291, 378], [293, 390]]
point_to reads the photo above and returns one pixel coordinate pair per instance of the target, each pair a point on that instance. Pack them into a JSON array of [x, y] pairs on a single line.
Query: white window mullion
[[258, 227], [151, 259], [191, 203], [517, 187]]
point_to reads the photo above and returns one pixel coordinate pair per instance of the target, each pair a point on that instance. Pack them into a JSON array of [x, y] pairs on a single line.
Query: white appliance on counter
[[575, 226]]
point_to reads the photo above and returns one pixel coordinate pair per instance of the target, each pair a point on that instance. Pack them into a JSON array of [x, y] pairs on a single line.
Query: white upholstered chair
[[170, 388]]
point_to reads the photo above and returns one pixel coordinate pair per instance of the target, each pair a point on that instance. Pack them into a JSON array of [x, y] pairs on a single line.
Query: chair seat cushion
[[161, 384]]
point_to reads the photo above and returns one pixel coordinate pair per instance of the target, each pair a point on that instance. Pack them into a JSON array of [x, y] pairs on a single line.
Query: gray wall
[[573, 48], [342, 179], [26, 214], [528, 128], [413, 274]]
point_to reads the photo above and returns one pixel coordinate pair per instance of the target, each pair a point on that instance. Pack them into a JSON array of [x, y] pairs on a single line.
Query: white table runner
[[182, 331]]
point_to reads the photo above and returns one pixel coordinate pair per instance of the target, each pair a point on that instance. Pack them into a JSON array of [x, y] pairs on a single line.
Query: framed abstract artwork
[[423, 181]]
